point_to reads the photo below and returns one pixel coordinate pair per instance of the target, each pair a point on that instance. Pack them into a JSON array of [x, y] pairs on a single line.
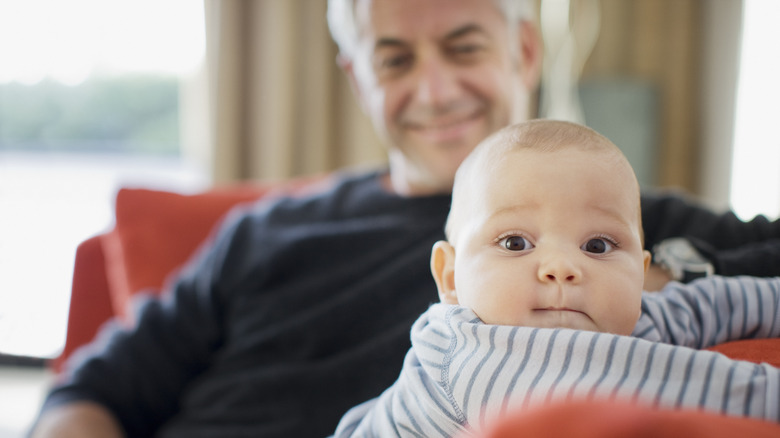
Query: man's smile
[[447, 127]]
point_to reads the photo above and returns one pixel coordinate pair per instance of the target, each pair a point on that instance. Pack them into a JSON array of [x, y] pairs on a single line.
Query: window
[[755, 186], [90, 94]]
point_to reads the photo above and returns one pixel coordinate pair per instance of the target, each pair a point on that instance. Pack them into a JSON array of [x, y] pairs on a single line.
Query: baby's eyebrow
[[614, 214], [514, 209]]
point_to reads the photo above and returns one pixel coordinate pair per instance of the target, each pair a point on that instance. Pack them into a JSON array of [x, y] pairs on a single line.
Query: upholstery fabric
[[617, 420]]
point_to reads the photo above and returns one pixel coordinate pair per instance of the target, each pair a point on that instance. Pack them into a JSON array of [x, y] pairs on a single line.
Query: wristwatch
[[682, 260]]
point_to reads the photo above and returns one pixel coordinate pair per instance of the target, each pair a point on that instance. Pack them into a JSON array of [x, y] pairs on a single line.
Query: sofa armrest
[[90, 301]]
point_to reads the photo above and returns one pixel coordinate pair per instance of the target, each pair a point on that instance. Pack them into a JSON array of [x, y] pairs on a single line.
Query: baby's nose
[[559, 267]]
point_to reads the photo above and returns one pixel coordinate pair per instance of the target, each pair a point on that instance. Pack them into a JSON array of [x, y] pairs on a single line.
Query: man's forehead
[[406, 20]]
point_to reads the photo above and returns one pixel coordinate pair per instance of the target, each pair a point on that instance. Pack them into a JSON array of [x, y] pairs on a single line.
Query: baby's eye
[[516, 243], [598, 246]]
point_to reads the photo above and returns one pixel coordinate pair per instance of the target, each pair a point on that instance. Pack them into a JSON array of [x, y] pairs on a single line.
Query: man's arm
[[77, 420], [735, 247], [656, 278], [761, 259]]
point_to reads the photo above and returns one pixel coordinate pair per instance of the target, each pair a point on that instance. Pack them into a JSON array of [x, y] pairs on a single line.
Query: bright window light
[[56, 188], [755, 183], [70, 40]]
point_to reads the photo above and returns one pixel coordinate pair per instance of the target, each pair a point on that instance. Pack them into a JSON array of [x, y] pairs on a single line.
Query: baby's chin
[[560, 318]]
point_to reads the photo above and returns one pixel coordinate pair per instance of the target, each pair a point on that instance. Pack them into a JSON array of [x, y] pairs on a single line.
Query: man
[[302, 309]]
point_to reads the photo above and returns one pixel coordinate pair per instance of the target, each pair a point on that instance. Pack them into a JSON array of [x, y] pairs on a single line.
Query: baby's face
[[552, 239]]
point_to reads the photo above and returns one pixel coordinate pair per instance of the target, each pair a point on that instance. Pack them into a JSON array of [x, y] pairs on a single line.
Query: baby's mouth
[[560, 309]]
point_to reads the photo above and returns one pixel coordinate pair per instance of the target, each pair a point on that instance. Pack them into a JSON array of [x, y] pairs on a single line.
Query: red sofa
[[619, 420], [155, 232]]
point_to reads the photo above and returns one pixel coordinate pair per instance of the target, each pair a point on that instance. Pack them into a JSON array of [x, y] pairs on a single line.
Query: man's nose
[[437, 82], [559, 266]]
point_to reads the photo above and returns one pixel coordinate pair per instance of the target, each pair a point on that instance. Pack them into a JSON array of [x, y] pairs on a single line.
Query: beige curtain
[[659, 41], [279, 105]]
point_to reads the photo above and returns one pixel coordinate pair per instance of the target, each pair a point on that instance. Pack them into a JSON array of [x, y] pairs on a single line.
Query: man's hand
[[77, 420], [656, 278]]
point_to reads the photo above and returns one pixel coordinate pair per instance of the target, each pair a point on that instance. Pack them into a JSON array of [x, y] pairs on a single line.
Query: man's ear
[[443, 270], [531, 53], [347, 65]]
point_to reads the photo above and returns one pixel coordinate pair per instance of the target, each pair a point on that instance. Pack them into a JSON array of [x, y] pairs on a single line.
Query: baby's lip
[[558, 309]]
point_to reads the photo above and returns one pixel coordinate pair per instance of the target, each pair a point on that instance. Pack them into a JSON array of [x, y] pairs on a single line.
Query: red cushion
[[156, 232], [618, 420], [753, 350]]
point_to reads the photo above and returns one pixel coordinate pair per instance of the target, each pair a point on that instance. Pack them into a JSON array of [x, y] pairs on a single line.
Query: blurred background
[[184, 95]]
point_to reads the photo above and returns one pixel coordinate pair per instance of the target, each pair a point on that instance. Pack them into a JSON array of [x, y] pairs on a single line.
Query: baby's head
[[545, 230]]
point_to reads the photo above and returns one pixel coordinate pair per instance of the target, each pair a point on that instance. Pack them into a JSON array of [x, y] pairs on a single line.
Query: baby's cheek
[[631, 315], [502, 310]]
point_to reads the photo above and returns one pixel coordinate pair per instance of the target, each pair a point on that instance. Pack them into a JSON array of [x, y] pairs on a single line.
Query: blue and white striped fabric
[[461, 373]]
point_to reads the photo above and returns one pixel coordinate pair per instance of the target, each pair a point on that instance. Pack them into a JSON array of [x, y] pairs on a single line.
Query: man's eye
[[516, 243], [391, 63], [598, 246], [465, 52], [465, 48]]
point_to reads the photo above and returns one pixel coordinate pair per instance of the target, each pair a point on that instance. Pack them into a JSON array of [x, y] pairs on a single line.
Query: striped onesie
[[461, 373]]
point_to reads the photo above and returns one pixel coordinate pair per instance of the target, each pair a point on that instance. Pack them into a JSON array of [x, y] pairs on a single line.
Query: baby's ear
[[443, 270]]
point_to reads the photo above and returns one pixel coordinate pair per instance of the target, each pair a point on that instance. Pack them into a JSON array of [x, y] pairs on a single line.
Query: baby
[[540, 281]]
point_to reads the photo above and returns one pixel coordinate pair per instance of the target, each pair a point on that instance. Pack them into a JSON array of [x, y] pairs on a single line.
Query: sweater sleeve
[[734, 246], [139, 371], [760, 259], [712, 310]]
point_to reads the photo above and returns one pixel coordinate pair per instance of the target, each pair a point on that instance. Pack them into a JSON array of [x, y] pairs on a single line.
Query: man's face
[[436, 77], [553, 240]]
